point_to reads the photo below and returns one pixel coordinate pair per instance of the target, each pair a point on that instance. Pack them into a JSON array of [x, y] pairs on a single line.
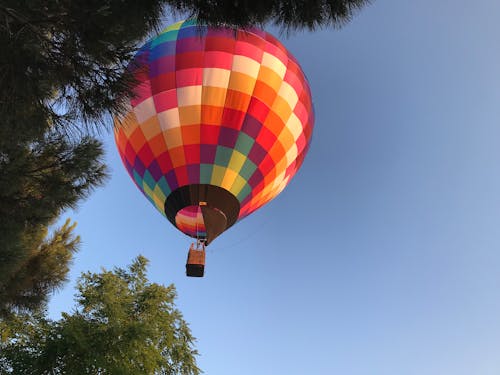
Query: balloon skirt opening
[[189, 220], [219, 209]]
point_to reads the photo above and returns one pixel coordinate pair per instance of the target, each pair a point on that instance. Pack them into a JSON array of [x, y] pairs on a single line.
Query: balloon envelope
[[220, 122]]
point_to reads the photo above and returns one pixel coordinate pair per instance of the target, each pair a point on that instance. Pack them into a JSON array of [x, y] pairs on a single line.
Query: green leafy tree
[[122, 324]]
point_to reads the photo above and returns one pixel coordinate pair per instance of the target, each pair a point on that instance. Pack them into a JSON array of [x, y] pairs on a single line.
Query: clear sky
[[382, 257]]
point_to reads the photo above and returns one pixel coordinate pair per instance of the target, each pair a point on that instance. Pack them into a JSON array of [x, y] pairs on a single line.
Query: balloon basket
[[195, 265]]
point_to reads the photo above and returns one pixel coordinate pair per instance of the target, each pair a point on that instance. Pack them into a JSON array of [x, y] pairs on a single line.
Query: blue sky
[[382, 257]]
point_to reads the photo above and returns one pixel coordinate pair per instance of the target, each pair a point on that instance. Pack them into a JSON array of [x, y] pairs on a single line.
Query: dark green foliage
[[40, 180], [61, 67], [37, 182], [63, 61], [44, 269], [122, 324], [289, 14]]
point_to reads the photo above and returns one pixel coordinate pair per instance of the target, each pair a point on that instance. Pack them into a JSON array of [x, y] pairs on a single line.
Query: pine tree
[[62, 67], [41, 271], [63, 62], [39, 181], [121, 324], [288, 14]]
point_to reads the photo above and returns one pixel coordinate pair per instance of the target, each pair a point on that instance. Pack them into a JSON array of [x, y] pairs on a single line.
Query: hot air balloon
[[220, 122]]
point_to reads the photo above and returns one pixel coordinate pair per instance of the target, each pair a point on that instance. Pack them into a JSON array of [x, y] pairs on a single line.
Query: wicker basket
[[195, 265]]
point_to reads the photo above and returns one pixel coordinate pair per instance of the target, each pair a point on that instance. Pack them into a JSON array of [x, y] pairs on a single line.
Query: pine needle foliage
[[62, 73], [37, 182], [63, 62], [41, 271], [289, 15]]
